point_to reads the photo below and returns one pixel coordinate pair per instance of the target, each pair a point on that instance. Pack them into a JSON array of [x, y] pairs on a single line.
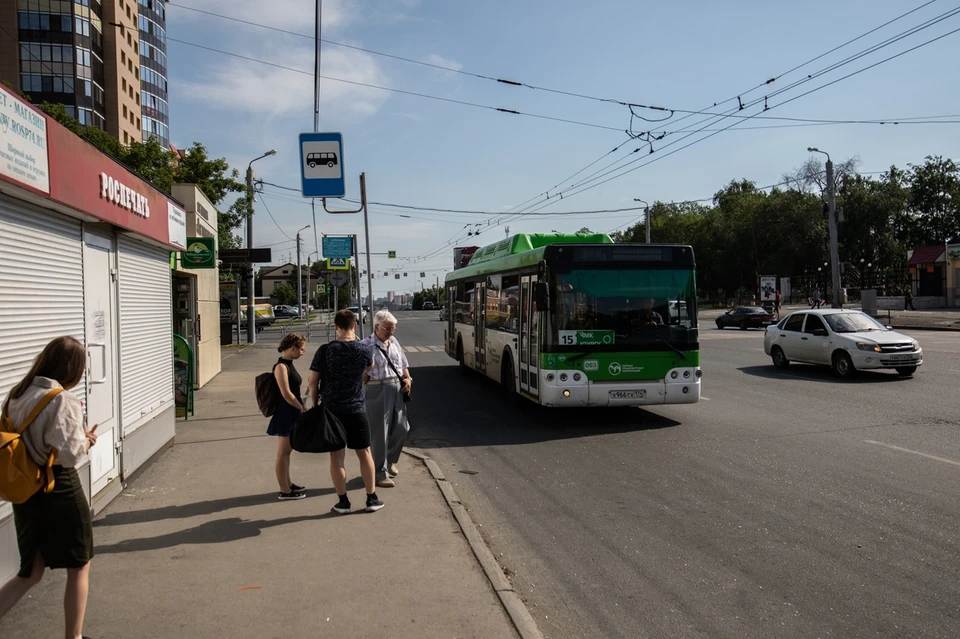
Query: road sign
[[245, 256], [321, 289], [321, 165], [338, 247], [391, 255], [338, 264], [339, 278]]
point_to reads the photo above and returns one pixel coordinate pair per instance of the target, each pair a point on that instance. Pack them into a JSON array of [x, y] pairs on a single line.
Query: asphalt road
[[785, 504]]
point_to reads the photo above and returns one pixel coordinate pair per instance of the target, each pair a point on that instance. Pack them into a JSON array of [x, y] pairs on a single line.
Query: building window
[[124, 110], [123, 58], [126, 138], [123, 83]]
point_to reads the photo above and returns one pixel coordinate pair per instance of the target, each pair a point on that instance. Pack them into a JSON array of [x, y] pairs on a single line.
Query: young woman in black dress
[[288, 410]]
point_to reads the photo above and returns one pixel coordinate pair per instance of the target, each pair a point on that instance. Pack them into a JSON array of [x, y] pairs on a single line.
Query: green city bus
[[578, 320]]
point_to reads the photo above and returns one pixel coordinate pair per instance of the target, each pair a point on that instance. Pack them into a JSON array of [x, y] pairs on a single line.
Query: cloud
[[245, 86], [295, 15]]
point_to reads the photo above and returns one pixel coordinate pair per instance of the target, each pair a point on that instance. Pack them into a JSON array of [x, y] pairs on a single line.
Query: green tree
[[934, 193], [419, 297], [285, 293]]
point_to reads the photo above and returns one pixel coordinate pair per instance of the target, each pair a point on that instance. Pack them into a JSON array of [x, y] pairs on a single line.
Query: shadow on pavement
[[211, 532], [450, 410], [822, 374], [209, 507]]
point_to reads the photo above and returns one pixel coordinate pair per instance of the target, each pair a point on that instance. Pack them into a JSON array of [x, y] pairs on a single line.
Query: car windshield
[[852, 323], [638, 307]]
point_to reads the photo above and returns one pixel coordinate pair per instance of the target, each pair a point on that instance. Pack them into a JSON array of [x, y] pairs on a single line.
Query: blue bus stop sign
[[321, 165], [338, 247]]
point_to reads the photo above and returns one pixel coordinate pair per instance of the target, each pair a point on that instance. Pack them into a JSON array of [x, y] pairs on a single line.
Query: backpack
[[268, 392], [20, 476]]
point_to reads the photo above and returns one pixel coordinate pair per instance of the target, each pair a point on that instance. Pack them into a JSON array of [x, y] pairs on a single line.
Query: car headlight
[[916, 345], [866, 346]]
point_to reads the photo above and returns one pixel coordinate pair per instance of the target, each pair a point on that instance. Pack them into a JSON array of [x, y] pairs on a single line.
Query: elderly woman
[[386, 384]]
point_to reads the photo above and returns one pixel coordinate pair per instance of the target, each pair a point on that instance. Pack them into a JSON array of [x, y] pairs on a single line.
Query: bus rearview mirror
[[540, 295]]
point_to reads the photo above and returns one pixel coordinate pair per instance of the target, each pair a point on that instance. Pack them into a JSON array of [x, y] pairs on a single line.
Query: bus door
[[480, 326], [451, 311], [529, 353]]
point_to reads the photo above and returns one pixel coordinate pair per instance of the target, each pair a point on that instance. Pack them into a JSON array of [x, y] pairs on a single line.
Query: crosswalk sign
[[321, 289], [338, 264], [391, 255]]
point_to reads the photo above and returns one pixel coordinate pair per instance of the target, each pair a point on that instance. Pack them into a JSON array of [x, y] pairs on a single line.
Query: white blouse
[[58, 427]]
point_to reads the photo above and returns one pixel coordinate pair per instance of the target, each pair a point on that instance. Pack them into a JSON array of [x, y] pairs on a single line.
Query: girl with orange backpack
[[53, 525]]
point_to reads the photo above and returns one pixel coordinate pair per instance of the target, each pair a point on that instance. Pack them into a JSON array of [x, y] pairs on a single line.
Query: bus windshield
[[645, 309]]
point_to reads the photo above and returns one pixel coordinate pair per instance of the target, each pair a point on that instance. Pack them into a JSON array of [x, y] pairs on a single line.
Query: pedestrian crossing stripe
[[423, 349]]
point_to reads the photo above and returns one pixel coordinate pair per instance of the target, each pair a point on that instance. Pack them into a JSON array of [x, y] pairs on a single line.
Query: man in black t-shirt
[[341, 365]]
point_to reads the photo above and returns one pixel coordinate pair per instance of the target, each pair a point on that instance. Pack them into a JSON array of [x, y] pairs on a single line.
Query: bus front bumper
[[635, 393]]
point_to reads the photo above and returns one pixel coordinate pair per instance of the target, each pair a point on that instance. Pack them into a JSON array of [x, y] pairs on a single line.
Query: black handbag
[[318, 431], [386, 356]]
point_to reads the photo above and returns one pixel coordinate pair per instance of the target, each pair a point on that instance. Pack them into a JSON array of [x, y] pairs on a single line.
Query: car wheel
[[743, 325], [779, 357], [907, 371], [842, 364]]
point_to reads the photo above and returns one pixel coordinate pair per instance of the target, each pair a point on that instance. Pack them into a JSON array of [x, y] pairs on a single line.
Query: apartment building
[[104, 60]]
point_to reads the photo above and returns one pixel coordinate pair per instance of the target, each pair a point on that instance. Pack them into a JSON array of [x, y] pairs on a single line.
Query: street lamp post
[[837, 301], [646, 216], [251, 319], [300, 276]]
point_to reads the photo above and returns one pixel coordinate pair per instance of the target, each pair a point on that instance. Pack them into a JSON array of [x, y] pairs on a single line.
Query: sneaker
[[291, 495], [393, 470], [386, 483], [342, 507], [373, 504], [297, 489]]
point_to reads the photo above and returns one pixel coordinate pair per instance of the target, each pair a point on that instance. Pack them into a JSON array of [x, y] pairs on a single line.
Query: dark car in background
[[744, 317]]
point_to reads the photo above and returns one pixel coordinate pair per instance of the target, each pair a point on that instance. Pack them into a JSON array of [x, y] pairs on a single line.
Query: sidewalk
[[199, 545]]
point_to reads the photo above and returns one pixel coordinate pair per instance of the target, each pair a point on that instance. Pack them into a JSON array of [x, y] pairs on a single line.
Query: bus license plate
[[632, 394]]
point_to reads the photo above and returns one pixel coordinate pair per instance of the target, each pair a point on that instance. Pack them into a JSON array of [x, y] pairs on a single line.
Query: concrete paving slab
[[199, 545]]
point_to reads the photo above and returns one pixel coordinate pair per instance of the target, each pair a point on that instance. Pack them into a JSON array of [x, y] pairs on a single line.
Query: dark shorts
[[357, 429], [56, 524]]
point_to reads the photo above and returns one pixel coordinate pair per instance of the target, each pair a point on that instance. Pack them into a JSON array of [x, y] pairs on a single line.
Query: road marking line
[[707, 399], [422, 349], [410, 349], [436, 349], [914, 452]]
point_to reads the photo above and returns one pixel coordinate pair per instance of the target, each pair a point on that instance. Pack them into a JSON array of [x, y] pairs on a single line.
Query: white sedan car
[[847, 341]]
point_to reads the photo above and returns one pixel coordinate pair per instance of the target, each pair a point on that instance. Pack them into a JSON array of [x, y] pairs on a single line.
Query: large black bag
[[268, 393], [318, 431]]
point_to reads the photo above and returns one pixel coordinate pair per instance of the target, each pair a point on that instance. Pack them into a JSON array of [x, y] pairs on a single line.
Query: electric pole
[[646, 216], [300, 276], [837, 294]]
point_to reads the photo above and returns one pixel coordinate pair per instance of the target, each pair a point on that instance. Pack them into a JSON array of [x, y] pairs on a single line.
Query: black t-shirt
[[343, 375], [293, 378]]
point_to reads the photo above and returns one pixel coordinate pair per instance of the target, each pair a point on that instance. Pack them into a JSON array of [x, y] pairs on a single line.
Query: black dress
[[281, 424]]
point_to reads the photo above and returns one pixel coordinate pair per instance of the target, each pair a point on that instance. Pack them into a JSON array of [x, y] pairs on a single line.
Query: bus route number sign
[[586, 338]]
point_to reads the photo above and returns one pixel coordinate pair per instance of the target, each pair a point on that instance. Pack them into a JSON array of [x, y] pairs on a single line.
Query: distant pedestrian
[[817, 300], [288, 410], [340, 367], [53, 528], [908, 299], [776, 303], [386, 386]]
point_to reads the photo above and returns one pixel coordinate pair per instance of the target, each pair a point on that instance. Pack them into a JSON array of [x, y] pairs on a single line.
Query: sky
[[431, 153]]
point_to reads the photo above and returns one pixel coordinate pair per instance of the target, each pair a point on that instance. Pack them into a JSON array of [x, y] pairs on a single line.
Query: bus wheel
[[460, 360], [507, 378]]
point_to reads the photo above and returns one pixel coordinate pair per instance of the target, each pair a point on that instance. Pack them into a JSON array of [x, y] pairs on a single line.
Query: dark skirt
[[56, 524], [281, 424]]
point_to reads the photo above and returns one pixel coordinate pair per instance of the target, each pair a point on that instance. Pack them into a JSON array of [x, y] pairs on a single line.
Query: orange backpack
[[20, 476]]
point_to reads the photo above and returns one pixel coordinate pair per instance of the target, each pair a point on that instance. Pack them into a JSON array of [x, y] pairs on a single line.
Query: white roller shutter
[[146, 333], [41, 288]]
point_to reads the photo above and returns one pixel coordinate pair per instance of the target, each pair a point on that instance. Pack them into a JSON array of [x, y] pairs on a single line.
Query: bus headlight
[[563, 377], [577, 377], [566, 393], [699, 373], [686, 374], [673, 374], [550, 377]]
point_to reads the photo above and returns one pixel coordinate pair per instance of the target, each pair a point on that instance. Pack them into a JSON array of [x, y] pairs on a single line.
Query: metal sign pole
[[238, 308], [366, 231]]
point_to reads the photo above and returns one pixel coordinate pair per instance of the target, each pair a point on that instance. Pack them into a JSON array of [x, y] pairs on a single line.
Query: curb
[[512, 603]]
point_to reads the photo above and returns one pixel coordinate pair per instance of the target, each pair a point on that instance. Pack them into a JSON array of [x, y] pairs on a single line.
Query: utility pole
[[300, 276], [251, 314], [366, 235], [837, 294], [646, 216], [438, 291]]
